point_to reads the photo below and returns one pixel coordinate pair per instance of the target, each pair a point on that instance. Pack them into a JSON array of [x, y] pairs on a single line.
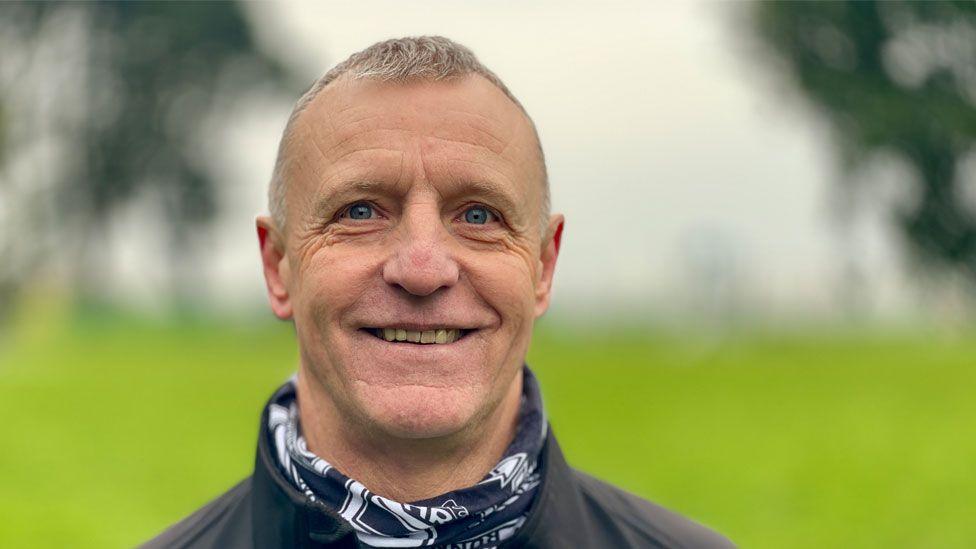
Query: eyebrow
[[487, 189], [325, 204]]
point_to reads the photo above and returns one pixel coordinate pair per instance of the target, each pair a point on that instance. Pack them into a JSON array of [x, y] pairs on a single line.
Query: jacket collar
[[558, 506], [283, 518]]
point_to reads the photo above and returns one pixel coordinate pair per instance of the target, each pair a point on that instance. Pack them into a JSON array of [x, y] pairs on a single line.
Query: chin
[[421, 412]]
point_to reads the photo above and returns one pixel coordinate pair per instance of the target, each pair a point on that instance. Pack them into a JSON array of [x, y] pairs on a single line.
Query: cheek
[[504, 281], [331, 280]]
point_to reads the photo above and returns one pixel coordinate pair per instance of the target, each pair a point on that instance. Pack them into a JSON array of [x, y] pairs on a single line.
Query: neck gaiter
[[479, 516]]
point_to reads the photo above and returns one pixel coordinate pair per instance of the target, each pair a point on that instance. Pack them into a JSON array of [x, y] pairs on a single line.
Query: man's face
[[413, 212]]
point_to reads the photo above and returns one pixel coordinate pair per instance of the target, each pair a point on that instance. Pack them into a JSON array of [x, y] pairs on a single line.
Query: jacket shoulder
[[224, 522], [644, 523]]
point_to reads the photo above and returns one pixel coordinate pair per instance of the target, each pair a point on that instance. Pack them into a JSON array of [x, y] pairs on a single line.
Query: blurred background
[[764, 306]]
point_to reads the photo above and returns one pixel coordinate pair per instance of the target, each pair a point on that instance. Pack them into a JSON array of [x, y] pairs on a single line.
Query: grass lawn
[[115, 427]]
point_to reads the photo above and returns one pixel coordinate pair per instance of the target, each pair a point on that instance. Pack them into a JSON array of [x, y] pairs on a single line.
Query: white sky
[[686, 176]]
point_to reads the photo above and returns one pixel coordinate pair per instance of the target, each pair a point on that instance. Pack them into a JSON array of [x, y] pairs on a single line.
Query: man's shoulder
[[640, 522], [220, 523]]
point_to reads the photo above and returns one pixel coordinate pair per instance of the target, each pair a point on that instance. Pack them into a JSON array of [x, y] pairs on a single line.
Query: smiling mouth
[[426, 337]]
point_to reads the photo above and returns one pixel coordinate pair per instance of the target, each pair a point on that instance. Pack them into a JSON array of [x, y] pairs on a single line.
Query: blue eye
[[478, 215], [360, 210]]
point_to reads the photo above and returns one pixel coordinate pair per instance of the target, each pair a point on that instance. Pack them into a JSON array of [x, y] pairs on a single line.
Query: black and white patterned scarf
[[481, 516]]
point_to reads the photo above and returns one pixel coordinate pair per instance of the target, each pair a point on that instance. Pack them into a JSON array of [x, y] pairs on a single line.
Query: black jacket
[[572, 509]]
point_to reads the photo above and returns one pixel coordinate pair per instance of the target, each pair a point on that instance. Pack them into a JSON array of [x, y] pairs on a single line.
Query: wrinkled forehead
[[467, 106], [469, 113]]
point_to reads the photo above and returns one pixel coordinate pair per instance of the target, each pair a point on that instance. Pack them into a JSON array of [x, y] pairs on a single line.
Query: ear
[[547, 259], [276, 271]]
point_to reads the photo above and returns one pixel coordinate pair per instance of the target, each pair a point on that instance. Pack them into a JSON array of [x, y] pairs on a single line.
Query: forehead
[[464, 107], [459, 129]]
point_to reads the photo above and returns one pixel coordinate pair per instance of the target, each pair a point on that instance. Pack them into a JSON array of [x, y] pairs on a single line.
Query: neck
[[405, 469]]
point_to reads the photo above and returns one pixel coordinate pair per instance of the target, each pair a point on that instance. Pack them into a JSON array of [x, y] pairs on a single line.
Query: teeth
[[414, 336]]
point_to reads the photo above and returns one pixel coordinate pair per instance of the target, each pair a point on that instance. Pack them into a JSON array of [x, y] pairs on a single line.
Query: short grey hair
[[397, 60]]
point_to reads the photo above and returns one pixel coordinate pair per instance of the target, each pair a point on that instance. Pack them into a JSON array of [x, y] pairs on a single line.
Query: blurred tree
[[897, 78], [117, 94]]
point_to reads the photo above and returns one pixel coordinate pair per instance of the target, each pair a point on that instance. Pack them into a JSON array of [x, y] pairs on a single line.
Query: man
[[410, 242]]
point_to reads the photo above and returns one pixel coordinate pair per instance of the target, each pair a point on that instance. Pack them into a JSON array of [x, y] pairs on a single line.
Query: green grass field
[[115, 427]]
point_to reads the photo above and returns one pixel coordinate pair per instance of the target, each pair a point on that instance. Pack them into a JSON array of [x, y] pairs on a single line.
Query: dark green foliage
[[130, 102], [899, 78]]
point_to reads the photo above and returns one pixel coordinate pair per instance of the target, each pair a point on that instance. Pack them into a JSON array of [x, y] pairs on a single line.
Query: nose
[[422, 261]]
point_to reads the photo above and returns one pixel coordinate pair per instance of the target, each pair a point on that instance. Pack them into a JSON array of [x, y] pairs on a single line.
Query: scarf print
[[480, 516]]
